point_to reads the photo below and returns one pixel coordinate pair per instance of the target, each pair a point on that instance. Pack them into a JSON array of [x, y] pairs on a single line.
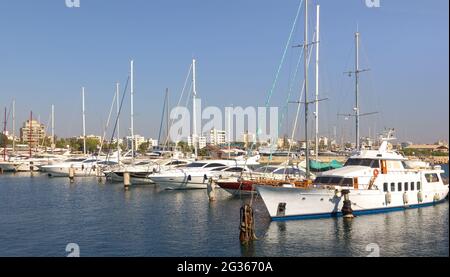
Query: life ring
[[375, 172]]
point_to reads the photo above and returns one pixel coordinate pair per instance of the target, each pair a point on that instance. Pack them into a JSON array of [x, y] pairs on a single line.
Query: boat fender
[[405, 198], [388, 198], [205, 178], [420, 197], [189, 178]]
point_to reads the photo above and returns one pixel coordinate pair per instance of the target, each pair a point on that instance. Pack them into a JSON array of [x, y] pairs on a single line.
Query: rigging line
[[179, 99], [298, 109], [107, 122], [45, 132], [284, 54], [284, 111], [292, 84], [162, 118], [118, 115]]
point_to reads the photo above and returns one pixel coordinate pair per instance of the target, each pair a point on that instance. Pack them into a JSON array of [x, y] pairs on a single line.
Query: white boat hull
[[316, 203], [134, 180], [181, 182], [7, 167], [64, 172]]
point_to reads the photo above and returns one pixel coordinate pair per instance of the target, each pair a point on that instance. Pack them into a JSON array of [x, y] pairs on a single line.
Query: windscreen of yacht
[[195, 165], [266, 169], [334, 181], [363, 162]]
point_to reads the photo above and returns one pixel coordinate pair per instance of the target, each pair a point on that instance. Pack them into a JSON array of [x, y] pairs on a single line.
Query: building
[[248, 139], [32, 132], [153, 142], [217, 137], [138, 140], [201, 142]]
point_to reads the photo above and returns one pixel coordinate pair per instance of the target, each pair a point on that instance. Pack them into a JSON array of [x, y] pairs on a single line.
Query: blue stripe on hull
[[361, 212]]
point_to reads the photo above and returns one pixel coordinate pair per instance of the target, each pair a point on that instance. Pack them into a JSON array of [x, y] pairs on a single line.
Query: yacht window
[[176, 163], [432, 177], [385, 187], [412, 185], [219, 168], [266, 169], [363, 162], [334, 181], [196, 165], [399, 187], [418, 185], [392, 186], [289, 170], [235, 169], [214, 165], [406, 186]]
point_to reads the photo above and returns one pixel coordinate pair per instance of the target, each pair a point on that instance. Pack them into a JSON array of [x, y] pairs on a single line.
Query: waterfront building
[[201, 142], [32, 132], [217, 137]]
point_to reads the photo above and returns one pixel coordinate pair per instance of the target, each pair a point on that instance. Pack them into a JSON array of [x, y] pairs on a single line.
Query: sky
[[48, 52]]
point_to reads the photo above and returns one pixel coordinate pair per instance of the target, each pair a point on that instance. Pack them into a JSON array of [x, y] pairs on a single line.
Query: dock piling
[[126, 179], [71, 174], [211, 190]]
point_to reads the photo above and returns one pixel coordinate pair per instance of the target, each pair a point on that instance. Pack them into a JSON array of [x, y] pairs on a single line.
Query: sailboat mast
[[194, 110], [357, 89], [14, 126], [305, 52], [4, 136], [118, 120], [53, 128], [132, 107], [84, 122], [316, 114], [30, 133], [167, 116]]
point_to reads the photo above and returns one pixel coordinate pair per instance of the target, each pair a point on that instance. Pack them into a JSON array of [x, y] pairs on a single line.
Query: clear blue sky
[[48, 51]]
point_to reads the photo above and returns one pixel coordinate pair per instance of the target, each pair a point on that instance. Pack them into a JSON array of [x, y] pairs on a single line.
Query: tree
[[143, 148], [4, 140], [184, 147]]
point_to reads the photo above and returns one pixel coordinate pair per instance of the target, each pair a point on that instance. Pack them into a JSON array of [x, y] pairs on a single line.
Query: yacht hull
[[319, 203]]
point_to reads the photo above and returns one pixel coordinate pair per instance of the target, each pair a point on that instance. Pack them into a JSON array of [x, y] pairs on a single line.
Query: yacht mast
[[194, 123], [305, 52], [14, 126], [132, 108], [30, 133], [167, 116], [357, 89], [84, 122], [316, 114], [53, 128], [4, 135], [118, 121]]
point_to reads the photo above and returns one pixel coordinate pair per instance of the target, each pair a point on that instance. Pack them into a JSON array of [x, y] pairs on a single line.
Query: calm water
[[39, 216]]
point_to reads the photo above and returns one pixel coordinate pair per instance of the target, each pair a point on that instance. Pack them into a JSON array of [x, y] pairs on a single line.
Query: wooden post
[[71, 174], [126, 179], [247, 225], [211, 190]]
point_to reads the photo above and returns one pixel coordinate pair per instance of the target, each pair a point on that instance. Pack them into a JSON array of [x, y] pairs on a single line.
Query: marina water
[[40, 216]]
